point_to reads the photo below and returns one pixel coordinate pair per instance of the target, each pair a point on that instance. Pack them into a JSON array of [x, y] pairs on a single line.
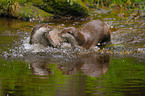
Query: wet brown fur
[[93, 33], [43, 39]]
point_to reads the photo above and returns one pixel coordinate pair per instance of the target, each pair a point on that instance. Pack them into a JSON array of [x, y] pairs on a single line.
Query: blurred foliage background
[[42, 9]]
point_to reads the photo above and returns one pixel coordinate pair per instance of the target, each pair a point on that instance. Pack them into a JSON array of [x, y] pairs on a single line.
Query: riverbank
[[41, 10]]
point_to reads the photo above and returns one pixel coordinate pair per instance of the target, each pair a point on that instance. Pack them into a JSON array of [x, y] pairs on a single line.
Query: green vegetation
[[121, 3], [63, 8], [43, 9], [21, 9], [39, 9]]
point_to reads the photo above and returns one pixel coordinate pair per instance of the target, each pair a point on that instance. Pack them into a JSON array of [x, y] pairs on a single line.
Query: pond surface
[[27, 70]]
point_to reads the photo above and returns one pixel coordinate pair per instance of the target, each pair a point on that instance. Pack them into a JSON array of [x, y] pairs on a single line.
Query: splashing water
[[20, 50]]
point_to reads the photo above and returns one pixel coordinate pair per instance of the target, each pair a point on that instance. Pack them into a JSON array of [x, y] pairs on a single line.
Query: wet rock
[[101, 11]]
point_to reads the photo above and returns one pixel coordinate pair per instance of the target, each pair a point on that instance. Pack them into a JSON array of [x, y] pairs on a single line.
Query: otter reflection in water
[[92, 65], [39, 66], [92, 34]]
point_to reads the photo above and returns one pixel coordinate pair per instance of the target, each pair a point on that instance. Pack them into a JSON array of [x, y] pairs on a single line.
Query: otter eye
[[62, 32], [49, 26], [69, 32]]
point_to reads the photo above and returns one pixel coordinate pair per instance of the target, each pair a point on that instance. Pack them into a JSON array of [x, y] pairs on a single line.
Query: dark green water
[[56, 72]]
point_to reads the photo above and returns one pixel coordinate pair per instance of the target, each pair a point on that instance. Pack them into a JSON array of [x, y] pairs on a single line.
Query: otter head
[[70, 30], [42, 28], [38, 32]]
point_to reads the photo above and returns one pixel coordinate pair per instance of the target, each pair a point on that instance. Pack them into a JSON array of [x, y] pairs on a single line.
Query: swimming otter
[[68, 39], [65, 41], [40, 35], [93, 33], [47, 36]]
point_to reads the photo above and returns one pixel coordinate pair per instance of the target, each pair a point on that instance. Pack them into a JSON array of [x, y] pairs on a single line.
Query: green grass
[[100, 3], [122, 3]]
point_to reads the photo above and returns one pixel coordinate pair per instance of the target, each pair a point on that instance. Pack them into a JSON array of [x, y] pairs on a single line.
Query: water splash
[[23, 49]]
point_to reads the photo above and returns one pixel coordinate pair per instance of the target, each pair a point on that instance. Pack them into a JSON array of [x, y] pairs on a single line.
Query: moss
[[3, 7], [29, 11], [22, 9], [64, 8], [26, 11], [40, 9]]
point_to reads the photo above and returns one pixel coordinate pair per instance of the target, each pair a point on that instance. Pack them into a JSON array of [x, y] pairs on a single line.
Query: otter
[[65, 41], [40, 35], [94, 33], [68, 39], [46, 35]]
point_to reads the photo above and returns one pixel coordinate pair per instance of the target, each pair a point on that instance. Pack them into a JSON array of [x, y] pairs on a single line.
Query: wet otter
[[68, 39], [93, 33], [40, 35], [65, 41], [47, 36]]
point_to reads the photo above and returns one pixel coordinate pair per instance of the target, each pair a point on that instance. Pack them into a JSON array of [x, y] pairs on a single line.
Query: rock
[[29, 12], [101, 11], [64, 7]]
